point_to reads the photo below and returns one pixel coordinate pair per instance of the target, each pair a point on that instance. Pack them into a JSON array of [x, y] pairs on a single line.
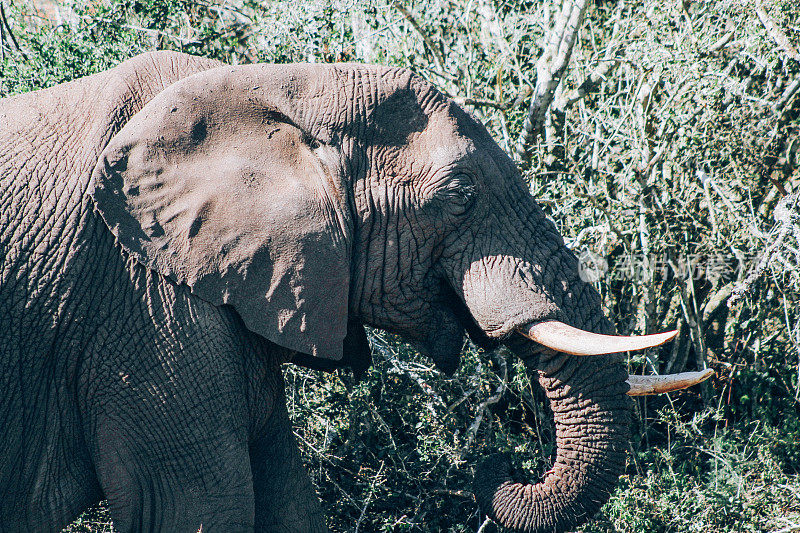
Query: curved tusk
[[564, 338], [644, 385]]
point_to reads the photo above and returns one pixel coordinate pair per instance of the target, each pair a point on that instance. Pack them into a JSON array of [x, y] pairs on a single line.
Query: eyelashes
[[457, 196]]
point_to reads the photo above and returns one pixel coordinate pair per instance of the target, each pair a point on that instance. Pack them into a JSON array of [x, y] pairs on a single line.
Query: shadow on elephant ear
[[356, 353]]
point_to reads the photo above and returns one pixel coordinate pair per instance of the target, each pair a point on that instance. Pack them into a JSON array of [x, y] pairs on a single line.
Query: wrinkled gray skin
[[173, 230]]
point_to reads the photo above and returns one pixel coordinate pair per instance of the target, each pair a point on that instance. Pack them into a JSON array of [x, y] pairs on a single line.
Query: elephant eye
[[457, 195]]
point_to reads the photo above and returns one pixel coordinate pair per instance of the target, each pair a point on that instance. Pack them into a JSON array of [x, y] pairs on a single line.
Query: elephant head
[[308, 197]]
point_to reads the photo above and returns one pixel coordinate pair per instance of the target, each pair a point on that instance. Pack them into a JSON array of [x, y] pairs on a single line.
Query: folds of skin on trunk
[[592, 412]]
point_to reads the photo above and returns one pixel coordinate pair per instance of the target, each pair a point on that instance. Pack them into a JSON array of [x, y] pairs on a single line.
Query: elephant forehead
[[444, 147]]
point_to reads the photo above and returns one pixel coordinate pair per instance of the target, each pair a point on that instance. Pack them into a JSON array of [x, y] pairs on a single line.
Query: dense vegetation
[[670, 163]]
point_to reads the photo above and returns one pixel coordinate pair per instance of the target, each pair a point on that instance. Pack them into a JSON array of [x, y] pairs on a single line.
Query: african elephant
[[174, 229]]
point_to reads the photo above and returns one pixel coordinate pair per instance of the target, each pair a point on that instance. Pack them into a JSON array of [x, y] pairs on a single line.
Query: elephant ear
[[211, 186]]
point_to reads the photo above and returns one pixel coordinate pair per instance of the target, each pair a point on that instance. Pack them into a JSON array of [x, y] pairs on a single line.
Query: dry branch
[[721, 43], [589, 85], [787, 95], [783, 216], [550, 69], [503, 106], [775, 32]]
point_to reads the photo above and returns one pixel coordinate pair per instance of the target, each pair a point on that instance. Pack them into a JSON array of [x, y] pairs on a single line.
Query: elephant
[[175, 229]]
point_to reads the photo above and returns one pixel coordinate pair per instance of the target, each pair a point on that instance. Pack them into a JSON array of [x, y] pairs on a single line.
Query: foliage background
[[670, 172]]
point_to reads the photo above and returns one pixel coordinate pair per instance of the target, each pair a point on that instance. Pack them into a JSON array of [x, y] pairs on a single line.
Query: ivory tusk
[[645, 385], [567, 339]]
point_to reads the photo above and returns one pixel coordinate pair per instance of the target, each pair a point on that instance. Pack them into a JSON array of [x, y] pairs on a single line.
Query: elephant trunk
[[591, 411], [526, 283]]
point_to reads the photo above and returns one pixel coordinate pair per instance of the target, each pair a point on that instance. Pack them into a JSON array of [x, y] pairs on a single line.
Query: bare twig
[[486, 523], [460, 100], [784, 227], [484, 406], [716, 302], [382, 350], [793, 526], [610, 219], [503, 106], [369, 497], [721, 43]]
